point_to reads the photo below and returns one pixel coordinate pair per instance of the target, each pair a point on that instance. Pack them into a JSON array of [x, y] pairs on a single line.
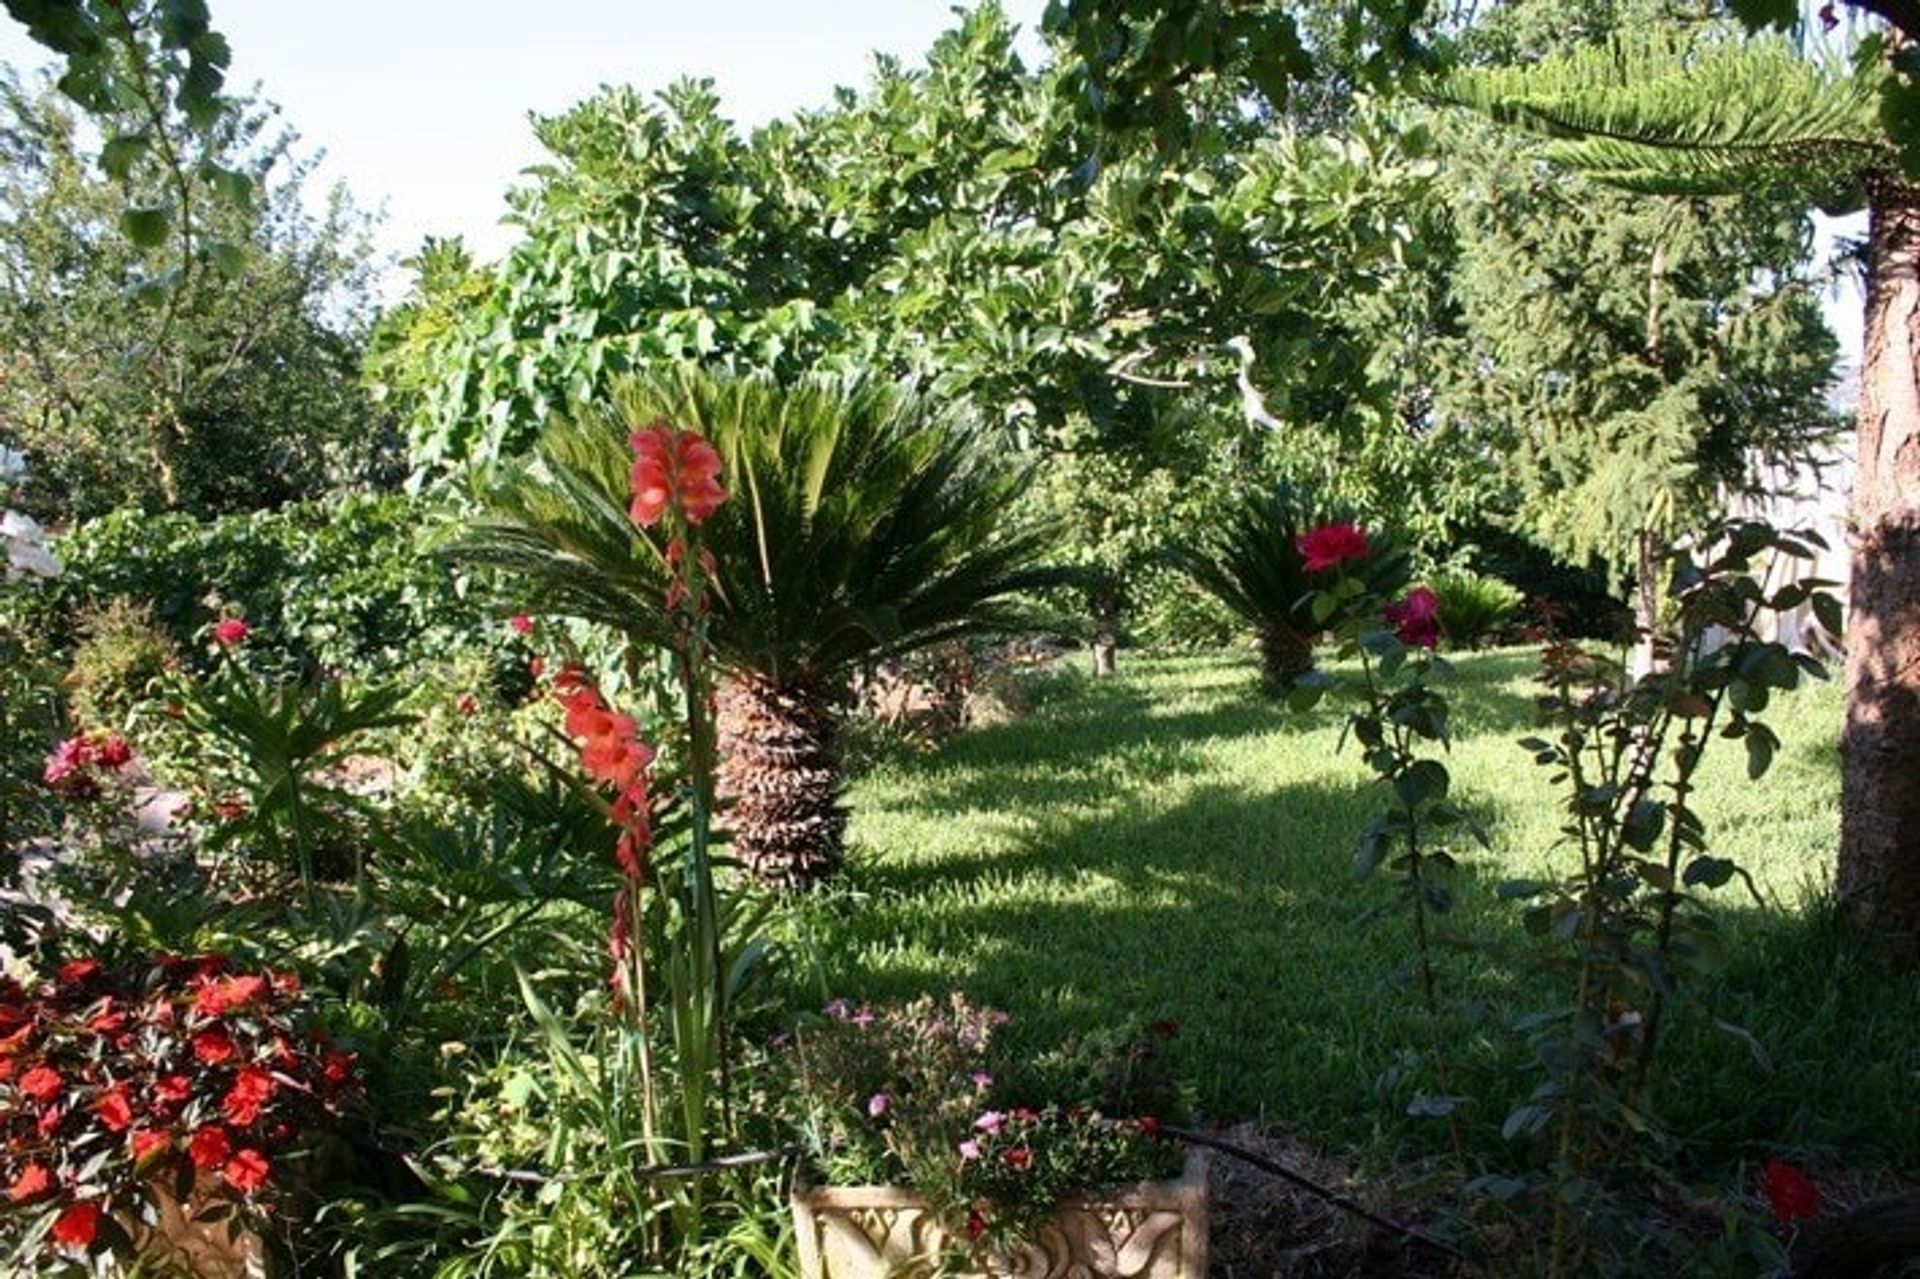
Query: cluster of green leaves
[[242, 391], [1474, 609], [348, 584]]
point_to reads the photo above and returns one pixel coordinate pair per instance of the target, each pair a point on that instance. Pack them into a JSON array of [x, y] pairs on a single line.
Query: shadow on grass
[[1136, 850]]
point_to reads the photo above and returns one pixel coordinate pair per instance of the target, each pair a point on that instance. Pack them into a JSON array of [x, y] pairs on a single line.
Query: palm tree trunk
[[780, 779], [1285, 654], [1878, 879]]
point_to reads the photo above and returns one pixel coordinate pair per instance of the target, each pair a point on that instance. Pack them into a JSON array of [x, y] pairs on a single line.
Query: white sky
[[420, 106]]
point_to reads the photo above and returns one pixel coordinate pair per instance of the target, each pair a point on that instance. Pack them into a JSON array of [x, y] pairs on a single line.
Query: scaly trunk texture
[[780, 777], [1106, 636], [1878, 881], [1285, 653]]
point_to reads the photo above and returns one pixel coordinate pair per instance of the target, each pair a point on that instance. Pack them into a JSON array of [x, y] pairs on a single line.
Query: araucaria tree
[[864, 523], [1740, 117]]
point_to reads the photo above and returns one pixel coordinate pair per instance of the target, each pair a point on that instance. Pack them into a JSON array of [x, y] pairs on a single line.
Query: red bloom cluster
[[674, 470], [229, 631], [1790, 1193], [1331, 544], [612, 754], [1416, 618], [80, 764], [185, 1067]]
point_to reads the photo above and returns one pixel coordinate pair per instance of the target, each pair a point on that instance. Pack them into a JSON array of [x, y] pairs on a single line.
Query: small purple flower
[[990, 1123], [878, 1105], [969, 1149], [981, 1079], [838, 1009], [862, 1018]]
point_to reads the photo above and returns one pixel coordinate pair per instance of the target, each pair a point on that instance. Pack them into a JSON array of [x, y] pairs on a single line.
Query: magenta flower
[[969, 1149], [982, 1080], [990, 1123], [1331, 544], [878, 1105], [1416, 619]]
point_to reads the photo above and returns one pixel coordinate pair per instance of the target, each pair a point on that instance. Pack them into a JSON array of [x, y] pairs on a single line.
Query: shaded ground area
[[1169, 845]]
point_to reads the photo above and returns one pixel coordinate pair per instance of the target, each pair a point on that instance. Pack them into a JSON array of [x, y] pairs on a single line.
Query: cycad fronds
[[862, 522], [1718, 116]]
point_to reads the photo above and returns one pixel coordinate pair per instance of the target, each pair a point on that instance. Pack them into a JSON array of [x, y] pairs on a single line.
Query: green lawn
[[1168, 844]]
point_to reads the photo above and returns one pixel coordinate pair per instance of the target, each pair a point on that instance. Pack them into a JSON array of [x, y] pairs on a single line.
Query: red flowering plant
[[1398, 716], [193, 1078], [923, 1095]]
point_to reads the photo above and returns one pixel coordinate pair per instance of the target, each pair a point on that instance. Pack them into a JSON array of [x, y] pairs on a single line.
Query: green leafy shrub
[[350, 583], [1474, 610], [122, 652]]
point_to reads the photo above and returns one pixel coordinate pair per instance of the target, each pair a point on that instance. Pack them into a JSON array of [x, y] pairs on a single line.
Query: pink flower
[[990, 1123], [521, 624], [982, 1080], [1331, 544], [969, 1149], [229, 631], [1416, 619], [878, 1105]]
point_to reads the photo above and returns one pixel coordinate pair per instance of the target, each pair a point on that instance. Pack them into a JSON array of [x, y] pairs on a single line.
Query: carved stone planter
[[1153, 1231]]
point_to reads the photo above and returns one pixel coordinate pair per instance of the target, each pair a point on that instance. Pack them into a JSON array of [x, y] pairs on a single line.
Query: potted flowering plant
[[933, 1161], [152, 1109]]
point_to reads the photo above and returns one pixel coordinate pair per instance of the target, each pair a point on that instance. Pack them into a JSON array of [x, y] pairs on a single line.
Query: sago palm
[[1249, 561], [863, 523]]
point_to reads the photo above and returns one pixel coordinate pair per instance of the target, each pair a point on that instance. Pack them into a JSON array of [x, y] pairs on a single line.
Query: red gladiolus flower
[[246, 1171], [77, 1226], [212, 1047], [115, 1110], [229, 631], [674, 470], [41, 1084], [149, 1142], [34, 1180], [1790, 1192], [1331, 544], [521, 624], [209, 1148], [1416, 619]]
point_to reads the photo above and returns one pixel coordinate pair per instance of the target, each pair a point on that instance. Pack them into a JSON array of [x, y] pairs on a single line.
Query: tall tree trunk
[[1646, 602], [1879, 873], [1106, 635], [1285, 653], [780, 781]]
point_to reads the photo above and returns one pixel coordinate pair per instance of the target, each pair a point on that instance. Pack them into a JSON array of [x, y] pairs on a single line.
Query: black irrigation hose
[[1314, 1188]]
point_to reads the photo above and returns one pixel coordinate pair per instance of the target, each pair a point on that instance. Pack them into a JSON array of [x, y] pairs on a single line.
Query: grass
[[1168, 844]]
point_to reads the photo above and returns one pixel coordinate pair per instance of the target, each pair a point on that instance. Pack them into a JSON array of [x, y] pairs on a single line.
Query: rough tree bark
[[1284, 654], [780, 778], [1878, 880]]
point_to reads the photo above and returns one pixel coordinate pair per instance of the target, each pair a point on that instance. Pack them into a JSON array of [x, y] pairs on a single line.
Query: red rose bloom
[[115, 1110], [1331, 544], [34, 1180], [1790, 1193], [77, 1226], [212, 1047], [41, 1084], [229, 631], [1416, 619], [246, 1171], [209, 1148]]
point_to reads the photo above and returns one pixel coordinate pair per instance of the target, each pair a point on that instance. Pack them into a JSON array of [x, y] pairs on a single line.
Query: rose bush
[[189, 1073]]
